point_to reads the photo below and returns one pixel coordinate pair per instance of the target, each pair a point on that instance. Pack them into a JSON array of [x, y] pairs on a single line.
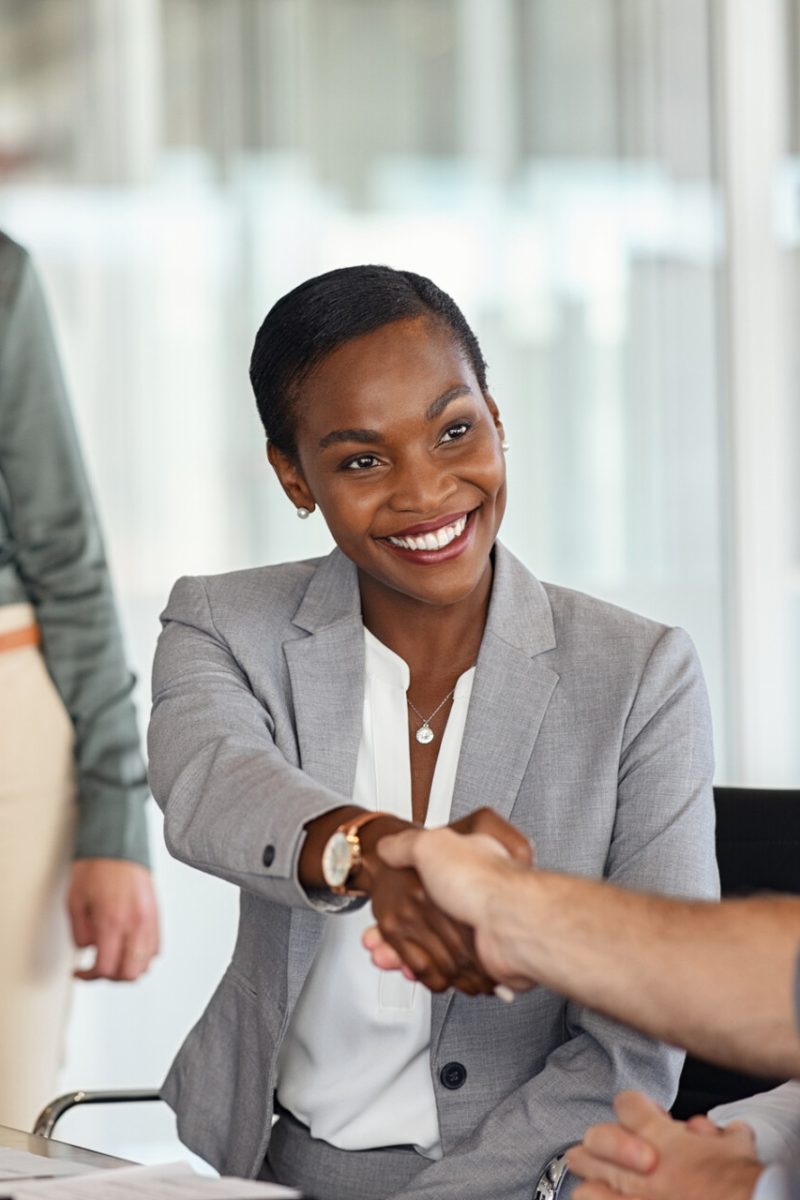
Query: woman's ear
[[291, 478], [495, 414]]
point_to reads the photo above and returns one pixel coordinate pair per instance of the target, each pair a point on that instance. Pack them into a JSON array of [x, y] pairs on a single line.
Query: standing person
[[73, 844], [301, 712]]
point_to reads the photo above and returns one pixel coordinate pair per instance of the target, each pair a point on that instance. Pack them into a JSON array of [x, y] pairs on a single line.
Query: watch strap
[[349, 829]]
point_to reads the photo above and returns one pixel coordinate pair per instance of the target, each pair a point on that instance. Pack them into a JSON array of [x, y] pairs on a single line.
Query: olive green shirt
[[51, 556]]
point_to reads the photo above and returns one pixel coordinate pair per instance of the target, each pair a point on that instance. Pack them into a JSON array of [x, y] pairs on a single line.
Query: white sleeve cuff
[[778, 1183], [774, 1118]]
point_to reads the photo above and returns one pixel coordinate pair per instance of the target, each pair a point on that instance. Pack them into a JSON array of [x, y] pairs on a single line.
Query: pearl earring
[[505, 447], [303, 513]]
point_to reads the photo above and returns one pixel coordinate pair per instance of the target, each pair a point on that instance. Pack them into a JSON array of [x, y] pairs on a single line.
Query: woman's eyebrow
[[440, 404], [370, 436]]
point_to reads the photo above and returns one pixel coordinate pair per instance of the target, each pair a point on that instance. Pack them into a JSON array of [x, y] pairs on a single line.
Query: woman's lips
[[430, 526], [435, 546], [435, 538]]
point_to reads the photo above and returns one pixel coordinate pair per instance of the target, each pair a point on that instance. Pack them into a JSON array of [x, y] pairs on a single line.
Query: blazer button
[[268, 857], [453, 1075]]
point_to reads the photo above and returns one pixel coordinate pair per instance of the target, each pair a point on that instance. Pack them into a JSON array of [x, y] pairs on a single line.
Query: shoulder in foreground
[[14, 262], [11, 252]]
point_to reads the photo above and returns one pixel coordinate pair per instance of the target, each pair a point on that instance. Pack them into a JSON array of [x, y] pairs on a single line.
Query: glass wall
[[175, 165], [551, 163]]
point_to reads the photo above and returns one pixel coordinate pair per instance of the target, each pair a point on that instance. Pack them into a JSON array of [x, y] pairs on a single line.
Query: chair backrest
[[758, 850]]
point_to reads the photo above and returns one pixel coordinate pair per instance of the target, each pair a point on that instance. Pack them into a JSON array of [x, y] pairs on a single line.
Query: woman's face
[[402, 453]]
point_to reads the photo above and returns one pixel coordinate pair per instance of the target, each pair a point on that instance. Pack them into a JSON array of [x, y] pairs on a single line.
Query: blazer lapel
[[326, 669], [510, 695], [327, 675]]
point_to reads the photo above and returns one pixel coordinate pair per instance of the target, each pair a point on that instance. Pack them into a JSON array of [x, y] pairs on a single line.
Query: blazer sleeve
[[233, 805], [663, 841], [57, 552]]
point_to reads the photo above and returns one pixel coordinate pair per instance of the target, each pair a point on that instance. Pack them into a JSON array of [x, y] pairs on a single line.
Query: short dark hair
[[323, 313]]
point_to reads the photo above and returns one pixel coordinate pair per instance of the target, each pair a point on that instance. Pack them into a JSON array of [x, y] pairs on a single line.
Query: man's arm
[[717, 979], [58, 555]]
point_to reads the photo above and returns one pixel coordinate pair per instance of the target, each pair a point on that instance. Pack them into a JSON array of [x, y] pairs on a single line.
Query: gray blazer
[[588, 728]]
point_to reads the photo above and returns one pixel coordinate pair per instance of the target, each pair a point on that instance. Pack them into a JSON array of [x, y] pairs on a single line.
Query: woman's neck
[[437, 640]]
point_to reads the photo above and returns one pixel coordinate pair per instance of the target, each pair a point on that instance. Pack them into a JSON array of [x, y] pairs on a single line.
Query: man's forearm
[[717, 979]]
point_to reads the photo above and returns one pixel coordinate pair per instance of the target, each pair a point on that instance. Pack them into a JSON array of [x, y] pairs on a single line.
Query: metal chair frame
[[52, 1113]]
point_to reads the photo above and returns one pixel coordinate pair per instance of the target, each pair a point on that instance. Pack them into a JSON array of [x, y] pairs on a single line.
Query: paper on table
[[16, 1163], [173, 1181]]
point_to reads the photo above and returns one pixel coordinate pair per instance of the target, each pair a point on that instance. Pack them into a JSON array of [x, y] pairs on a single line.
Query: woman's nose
[[421, 486]]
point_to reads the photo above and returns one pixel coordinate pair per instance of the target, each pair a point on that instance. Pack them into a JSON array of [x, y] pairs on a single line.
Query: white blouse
[[354, 1066]]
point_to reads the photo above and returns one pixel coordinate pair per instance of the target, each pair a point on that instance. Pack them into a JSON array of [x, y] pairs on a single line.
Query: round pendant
[[424, 734]]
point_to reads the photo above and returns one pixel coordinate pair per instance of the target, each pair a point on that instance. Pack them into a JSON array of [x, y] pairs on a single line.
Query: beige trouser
[[36, 830]]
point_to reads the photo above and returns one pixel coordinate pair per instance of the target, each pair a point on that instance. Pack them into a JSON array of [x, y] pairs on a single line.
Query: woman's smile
[[432, 542]]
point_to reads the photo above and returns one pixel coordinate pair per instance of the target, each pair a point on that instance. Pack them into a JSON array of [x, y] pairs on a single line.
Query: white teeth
[[437, 539]]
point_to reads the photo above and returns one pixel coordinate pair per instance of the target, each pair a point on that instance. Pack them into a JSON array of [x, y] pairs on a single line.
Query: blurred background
[[611, 191]]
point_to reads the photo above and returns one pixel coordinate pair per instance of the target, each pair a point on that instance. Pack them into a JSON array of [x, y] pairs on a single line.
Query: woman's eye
[[454, 432], [362, 463]]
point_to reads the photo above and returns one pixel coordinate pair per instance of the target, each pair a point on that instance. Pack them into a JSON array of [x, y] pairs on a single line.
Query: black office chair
[[758, 849]]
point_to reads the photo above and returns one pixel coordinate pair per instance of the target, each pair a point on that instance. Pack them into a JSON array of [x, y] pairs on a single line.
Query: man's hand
[[651, 1157], [112, 906], [426, 942], [461, 868]]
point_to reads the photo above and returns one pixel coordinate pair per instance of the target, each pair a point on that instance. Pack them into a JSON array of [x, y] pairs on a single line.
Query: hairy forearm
[[717, 979]]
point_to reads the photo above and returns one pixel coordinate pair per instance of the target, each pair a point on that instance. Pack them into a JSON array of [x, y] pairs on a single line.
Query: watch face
[[337, 859]]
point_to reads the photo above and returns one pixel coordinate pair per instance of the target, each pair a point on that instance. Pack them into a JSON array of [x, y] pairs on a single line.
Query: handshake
[[444, 902], [475, 917], [460, 907]]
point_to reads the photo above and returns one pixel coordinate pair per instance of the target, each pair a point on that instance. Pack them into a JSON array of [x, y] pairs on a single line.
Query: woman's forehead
[[407, 361]]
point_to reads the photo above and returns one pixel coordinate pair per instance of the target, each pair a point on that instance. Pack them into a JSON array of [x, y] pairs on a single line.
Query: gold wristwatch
[[341, 856]]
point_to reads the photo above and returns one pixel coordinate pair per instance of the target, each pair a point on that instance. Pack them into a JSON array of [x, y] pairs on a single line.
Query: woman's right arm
[[234, 807]]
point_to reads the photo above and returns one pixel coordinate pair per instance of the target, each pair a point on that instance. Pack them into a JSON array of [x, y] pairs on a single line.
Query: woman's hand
[[486, 821], [436, 949], [432, 947], [458, 866]]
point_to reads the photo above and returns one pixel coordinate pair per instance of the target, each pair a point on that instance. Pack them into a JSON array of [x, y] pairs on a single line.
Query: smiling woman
[[416, 674]]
